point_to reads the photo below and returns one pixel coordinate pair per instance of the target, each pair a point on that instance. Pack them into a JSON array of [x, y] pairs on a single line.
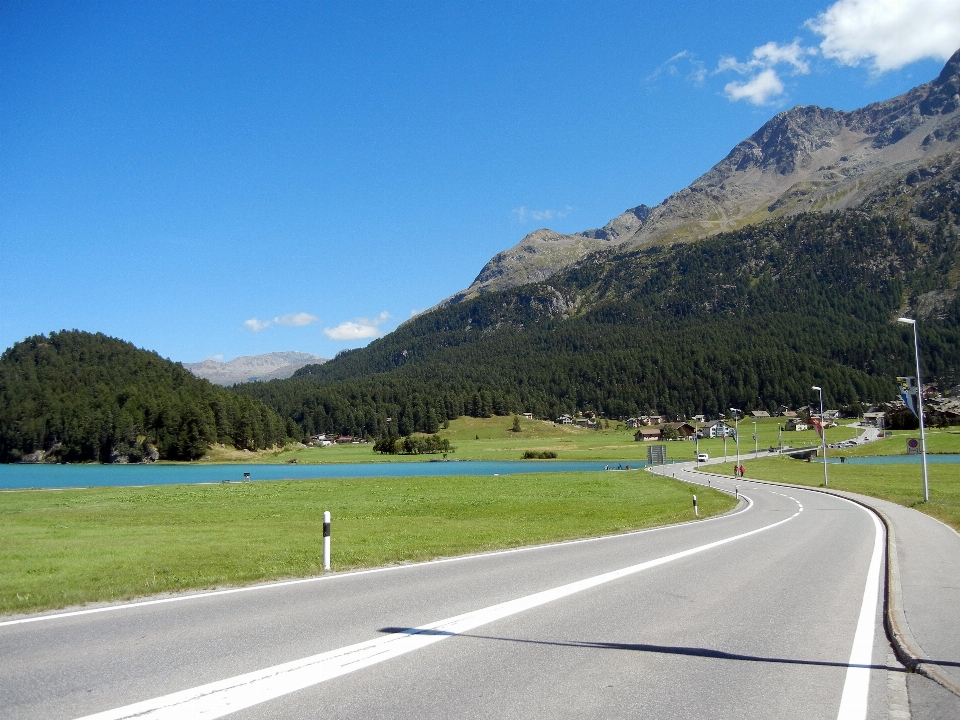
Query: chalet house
[[648, 433], [757, 414], [717, 429], [797, 424], [564, 420], [528, 416], [685, 430], [633, 423], [699, 418], [873, 419]]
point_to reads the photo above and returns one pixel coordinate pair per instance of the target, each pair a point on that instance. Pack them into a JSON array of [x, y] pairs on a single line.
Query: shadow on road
[[661, 649]]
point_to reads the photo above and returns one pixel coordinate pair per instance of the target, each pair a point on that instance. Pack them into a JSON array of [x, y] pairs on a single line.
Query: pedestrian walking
[[741, 470]]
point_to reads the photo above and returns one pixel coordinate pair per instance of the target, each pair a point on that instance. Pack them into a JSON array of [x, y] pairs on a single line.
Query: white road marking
[[856, 687], [233, 694], [339, 576]]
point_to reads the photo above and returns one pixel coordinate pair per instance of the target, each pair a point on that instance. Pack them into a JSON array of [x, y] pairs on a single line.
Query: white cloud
[[523, 214], [889, 33], [300, 319], [759, 90], [765, 83], [255, 325], [769, 56], [684, 64], [358, 329]]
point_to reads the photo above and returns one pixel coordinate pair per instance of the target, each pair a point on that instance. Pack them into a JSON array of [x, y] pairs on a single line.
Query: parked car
[[703, 457]]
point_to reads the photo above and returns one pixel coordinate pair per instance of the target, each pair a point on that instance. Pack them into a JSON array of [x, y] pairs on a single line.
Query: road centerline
[[231, 695]]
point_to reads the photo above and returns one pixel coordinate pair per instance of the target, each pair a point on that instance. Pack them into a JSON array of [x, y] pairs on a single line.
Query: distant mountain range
[[805, 159], [251, 368]]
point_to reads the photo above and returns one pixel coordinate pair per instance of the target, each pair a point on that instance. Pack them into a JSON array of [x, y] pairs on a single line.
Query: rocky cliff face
[[271, 366], [804, 159], [535, 258]]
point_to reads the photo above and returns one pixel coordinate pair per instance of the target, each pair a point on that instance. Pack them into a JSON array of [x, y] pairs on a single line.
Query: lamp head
[[817, 387], [908, 321]]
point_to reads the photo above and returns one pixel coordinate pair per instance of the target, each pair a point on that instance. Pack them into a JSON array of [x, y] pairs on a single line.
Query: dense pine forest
[[748, 319], [78, 396]]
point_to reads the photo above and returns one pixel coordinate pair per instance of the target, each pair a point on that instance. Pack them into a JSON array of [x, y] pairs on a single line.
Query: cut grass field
[[70, 547], [939, 441], [902, 484], [493, 439]]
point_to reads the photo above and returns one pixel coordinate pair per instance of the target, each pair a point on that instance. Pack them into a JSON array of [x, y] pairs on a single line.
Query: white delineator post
[[326, 539], [696, 512]]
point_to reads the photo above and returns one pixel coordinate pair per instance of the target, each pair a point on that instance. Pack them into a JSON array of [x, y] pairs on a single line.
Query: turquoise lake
[[64, 476]]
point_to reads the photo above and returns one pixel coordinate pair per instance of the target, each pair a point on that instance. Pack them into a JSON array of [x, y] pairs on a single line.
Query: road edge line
[[894, 619]]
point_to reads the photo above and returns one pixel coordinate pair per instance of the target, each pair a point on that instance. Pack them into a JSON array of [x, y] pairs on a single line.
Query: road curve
[[754, 614]]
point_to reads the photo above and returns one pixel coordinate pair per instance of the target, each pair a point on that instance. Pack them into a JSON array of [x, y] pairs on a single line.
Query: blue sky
[[216, 179]]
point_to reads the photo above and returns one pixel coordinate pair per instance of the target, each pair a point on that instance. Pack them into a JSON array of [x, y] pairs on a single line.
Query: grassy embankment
[[492, 439], [902, 484], [71, 547]]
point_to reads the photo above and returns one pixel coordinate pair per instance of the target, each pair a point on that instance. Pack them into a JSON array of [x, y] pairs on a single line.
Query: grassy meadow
[[493, 439], [69, 547], [902, 484]]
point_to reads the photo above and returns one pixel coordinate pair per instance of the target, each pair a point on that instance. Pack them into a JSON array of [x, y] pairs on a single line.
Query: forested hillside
[[78, 396], [747, 319]]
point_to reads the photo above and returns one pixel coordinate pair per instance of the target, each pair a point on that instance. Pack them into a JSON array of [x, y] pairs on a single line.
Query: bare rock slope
[[805, 159]]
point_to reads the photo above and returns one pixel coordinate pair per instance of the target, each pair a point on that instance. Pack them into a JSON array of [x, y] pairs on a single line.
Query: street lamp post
[[756, 441], [736, 430], [923, 440], [823, 436], [696, 438]]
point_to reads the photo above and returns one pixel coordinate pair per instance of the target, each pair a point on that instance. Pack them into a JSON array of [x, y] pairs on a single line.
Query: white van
[[703, 457]]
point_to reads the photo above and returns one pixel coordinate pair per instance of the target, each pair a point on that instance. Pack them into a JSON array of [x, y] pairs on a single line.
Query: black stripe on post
[[326, 529]]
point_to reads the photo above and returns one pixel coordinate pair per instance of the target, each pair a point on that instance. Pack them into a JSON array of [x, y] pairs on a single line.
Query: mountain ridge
[[807, 158], [250, 368]]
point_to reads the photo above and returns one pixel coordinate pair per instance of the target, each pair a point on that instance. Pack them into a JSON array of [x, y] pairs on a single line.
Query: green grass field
[[902, 484], [938, 441], [492, 439], [69, 547]]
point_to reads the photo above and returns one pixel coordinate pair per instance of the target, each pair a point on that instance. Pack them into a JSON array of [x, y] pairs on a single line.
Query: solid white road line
[[233, 694], [856, 687]]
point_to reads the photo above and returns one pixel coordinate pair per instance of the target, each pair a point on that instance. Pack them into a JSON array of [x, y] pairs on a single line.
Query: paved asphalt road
[[760, 623]]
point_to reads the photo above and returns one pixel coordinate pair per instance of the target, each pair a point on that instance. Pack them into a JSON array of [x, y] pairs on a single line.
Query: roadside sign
[[913, 446], [657, 454]]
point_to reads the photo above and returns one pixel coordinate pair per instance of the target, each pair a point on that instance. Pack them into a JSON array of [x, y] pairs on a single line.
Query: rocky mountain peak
[[805, 159], [944, 94]]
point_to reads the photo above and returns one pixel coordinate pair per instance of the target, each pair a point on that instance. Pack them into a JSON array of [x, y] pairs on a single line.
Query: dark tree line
[[88, 397]]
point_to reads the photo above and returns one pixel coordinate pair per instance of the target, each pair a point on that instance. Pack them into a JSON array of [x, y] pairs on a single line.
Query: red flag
[[818, 425]]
